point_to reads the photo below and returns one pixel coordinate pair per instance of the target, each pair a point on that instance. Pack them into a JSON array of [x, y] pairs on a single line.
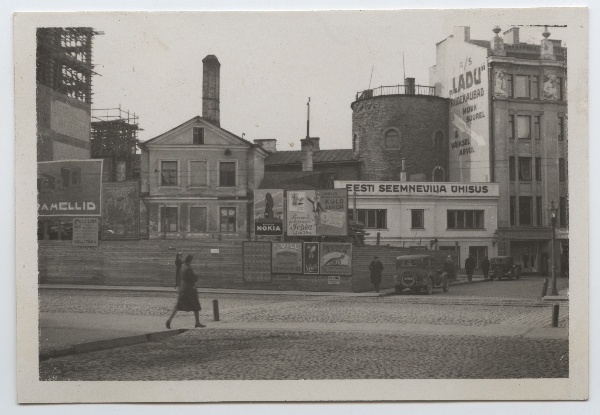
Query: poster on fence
[[310, 257], [120, 210], [317, 212], [85, 232], [287, 258], [257, 261], [336, 258], [268, 212]]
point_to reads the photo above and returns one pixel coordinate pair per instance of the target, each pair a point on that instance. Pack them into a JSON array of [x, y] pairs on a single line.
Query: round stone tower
[[404, 122]]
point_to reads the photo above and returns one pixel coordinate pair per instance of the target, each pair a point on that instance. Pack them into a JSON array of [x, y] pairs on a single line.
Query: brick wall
[[416, 119]]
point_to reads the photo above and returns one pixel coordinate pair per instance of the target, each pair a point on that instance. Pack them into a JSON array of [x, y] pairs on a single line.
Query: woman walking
[[178, 265], [187, 297]]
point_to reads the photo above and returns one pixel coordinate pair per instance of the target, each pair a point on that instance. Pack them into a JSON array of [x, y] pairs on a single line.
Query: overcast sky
[[270, 64]]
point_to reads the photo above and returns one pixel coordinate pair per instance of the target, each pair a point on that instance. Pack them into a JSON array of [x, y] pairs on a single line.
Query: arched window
[[355, 143], [392, 139], [439, 141], [439, 175]]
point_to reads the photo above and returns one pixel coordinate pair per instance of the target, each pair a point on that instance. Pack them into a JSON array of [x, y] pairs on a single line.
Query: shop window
[[563, 215], [536, 128], [417, 218], [227, 219], [511, 168], [513, 209], [524, 127], [169, 219], [198, 173], [525, 169], [227, 174], [538, 169], [198, 219], [371, 218], [198, 135], [511, 127], [465, 219], [562, 173], [168, 173], [525, 210], [538, 210], [392, 139]]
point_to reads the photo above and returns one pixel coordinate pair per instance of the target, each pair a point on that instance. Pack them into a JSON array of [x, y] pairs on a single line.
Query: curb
[[108, 344]]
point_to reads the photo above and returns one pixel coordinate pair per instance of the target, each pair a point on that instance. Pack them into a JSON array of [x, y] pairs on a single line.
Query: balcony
[[396, 90]]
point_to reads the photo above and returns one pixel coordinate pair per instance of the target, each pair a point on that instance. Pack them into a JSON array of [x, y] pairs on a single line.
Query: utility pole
[[308, 118]]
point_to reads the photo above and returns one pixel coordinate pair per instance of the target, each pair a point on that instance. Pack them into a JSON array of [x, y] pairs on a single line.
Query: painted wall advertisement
[[317, 212], [469, 156], [310, 257], [120, 210], [287, 258], [69, 188], [85, 232], [268, 212], [336, 258]]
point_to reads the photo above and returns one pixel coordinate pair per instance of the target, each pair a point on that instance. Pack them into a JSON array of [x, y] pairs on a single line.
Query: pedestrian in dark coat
[[485, 267], [449, 268], [187, 296], [376, 268], [469, 267], [178, 265]]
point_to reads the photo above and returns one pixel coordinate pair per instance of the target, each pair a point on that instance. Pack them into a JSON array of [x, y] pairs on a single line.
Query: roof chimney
[[211, 89], [316, 143], [307, 154], [267, 144], [511, 36], [497, 43], [462, 33], [547, 46]]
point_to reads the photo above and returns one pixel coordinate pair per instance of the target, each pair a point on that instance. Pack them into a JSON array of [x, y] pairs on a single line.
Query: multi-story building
[[197, 179], [508, 125]]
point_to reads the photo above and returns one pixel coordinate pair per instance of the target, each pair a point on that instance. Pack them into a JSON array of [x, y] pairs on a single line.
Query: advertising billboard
[[121, 210], [336, 258], [268, 212], [257, 261], [310, 257], [317, 212], [69, 188], [85, 232], [287, 258]]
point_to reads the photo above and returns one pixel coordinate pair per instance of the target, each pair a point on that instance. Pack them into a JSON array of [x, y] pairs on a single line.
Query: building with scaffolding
[[64, 72], [114, 139]]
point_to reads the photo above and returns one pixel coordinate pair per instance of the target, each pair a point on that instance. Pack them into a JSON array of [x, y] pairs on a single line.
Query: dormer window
[[198, 135]]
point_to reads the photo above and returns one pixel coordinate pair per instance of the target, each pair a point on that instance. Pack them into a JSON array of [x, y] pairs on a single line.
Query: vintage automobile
[[417, 273], [504, 267]]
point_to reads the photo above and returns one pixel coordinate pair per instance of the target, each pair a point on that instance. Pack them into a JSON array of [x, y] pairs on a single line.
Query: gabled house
[[197, 179]]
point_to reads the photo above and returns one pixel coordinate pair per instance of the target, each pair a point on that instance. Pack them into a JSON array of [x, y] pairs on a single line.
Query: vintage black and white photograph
[[304, 196]]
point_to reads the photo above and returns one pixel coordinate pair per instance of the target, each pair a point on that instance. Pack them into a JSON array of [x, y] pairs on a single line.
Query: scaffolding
[[64, 60], [114, 139]]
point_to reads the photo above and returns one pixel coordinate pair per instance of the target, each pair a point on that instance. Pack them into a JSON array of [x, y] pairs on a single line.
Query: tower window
[[392, 139]]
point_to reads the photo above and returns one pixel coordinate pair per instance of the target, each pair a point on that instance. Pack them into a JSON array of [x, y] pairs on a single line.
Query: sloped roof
[[298, 180], [321, 156]]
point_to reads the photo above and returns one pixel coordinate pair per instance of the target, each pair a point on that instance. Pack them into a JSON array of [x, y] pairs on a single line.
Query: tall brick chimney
[[211, 89], [306, 145]]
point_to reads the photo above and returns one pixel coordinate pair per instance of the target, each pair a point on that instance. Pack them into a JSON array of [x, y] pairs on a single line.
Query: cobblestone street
[[484, 330]]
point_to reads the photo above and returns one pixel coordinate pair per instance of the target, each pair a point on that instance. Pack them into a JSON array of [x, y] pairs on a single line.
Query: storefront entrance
[[532, 256]]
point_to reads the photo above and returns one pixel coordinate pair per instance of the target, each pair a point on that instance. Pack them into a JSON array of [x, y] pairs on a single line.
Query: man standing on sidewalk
[[376, 267], [469, 267], [485, 267]]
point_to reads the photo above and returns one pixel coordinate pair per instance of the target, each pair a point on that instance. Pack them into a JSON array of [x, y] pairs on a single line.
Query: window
[[169, 219], [511, 126], [536, 128], [227, 174], [355, 143], [522, 86], [538, 210], [371, 218], [198, 174], [198, 135], [561, 128], [525, 211], [559, 88], [535, 87], [524, 127], [168, 173], [417, 218], [509, 85], [198, 219], [538, 169], [511, 168], [562, 174], [525, 168], [563, 215], [392, 139], [513, 209], [227, 222], [465, 219]]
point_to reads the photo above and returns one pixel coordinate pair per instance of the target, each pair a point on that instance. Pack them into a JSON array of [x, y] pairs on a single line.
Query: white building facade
[[428, 215]]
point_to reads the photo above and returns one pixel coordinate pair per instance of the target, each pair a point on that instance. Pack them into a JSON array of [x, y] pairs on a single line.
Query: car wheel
[[445, 285], [429, 288]]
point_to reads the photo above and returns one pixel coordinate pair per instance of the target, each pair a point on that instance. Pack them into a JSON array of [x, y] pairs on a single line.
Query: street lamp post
[[552, 215]]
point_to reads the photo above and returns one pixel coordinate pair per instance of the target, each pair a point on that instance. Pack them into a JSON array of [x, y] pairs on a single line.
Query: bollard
[[216, 310], [545, 287], [555, 315]]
